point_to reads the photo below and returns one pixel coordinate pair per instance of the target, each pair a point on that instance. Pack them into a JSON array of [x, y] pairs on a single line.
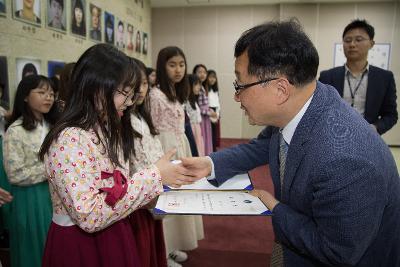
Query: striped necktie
[[277, 250]]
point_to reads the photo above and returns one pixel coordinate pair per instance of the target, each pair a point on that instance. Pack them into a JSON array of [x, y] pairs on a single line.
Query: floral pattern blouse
[[194, 114], [148, 149], [20, 149], [75, 164], [167, 116]]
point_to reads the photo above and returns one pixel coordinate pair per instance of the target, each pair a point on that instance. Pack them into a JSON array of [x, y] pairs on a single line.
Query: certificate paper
[[210, 203], [238, 182]]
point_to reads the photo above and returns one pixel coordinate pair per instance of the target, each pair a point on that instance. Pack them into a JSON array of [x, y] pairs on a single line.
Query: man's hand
[[173, 174], [265, 197], [5, 197], [197, 167]]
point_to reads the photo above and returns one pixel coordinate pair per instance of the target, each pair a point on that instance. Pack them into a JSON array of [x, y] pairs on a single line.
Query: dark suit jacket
[[340, 203], [380, 105]]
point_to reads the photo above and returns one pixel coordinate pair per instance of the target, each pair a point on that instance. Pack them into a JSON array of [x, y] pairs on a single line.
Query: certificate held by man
[[230, 198], [209, 203]]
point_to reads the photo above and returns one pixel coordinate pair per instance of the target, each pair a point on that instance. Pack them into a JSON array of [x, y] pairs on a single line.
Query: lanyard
[[353, 94]]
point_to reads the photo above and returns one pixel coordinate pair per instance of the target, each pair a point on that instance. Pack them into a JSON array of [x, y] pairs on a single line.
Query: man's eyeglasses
[[240, 87], [357, 39]]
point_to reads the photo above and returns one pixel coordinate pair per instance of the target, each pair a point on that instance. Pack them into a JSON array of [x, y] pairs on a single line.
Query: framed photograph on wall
[[27, 66], [145, 47], [138, 42], [3, 8], [56, 15], [120, 35], [129, 37], [27, 11], [4, 91], [54, 68], [108, 28], [95, 23], [78, 22]]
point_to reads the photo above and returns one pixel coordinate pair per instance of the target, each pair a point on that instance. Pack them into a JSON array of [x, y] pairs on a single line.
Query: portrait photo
[[25, 67], [56, 15], [27, 11], [138, 42], [3, 9], [108, 28], [4, 91], [120, 36], [54, 68], [129, 37], [145, 47], [78, 22], [95, 23]]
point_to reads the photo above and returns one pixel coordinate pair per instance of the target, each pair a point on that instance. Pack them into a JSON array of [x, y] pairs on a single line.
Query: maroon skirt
[[149, 238], [68, 246]]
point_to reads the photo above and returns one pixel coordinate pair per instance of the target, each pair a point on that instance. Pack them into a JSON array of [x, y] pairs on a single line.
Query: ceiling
[[189, 3]]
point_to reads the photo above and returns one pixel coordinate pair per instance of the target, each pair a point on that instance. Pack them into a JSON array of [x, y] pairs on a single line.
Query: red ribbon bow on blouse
[[119, 189]]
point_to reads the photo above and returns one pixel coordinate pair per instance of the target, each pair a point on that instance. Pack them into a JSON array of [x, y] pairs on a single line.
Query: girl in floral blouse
[[30, 212], [167, 113], [86, 156], [148, 231]]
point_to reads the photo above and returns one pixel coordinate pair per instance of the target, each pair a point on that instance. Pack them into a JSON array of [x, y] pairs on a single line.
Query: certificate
[[238, 182], [209, 203]]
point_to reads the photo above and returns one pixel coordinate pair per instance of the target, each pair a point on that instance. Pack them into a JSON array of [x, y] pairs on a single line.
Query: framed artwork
[[4, 92], [138, 43], [129, 37], [26, 66], [95, 23], [27, 11], [54, 68], [3, 8], [120, 35], [108, 28], [78, 22], [56, 15], [145, 43]]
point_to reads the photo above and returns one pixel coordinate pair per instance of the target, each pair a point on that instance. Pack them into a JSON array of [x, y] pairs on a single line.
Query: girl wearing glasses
[[86, 156], [181, 232], [31, 211]]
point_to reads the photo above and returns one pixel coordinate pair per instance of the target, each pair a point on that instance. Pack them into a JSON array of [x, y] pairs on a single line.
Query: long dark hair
[[180, 90], [96, 77], [193, 79], [21, 107], [144, 109], [214, 87]]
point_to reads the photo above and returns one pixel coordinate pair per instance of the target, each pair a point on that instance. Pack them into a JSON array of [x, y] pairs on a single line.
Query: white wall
[[208, 35]]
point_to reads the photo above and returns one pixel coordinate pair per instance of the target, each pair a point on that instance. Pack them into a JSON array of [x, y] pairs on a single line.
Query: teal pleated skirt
[[30, 217], [5, 209]]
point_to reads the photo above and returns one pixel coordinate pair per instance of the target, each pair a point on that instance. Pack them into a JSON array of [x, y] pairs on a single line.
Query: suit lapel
[[274, 163], [341, 79], [370, 96], [301, 135]]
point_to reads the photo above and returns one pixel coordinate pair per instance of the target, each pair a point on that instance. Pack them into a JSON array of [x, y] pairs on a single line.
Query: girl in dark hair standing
[[181, 232], [193, 111], [86, 157], [214, 104], [206, 113], [30, 212], [148, 231]]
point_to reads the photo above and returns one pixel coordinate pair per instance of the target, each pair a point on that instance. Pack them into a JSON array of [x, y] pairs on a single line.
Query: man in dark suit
[[369, 89], [337, 200]]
